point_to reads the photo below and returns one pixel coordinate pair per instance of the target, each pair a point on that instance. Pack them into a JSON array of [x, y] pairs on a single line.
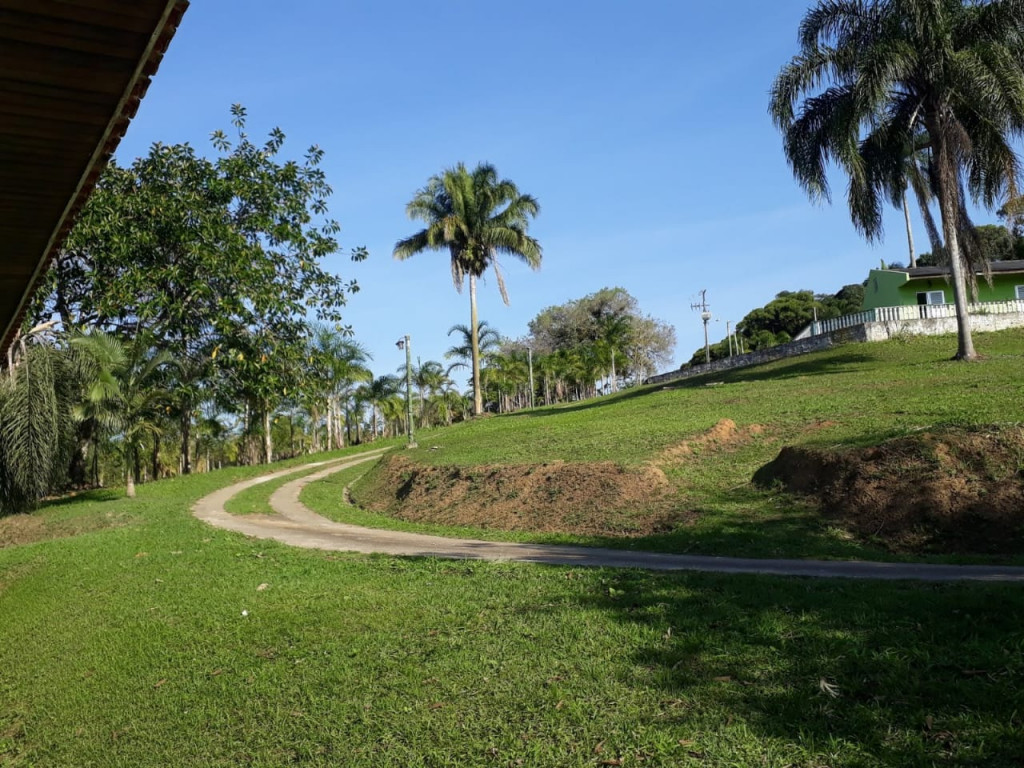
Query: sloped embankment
[[595, 498], [944, 490]]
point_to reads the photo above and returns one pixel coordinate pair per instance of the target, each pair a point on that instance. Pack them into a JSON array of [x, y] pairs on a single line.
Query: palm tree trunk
[[268, 446], [314, 426], [129, 486], [478, 401], [949, 204], [330, 423], [339, 433], [910, 231], [186, 437], [156, 457]]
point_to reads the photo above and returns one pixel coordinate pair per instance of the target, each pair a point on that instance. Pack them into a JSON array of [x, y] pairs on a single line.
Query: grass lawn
[[134, 635], [849, 396], [163, 642]]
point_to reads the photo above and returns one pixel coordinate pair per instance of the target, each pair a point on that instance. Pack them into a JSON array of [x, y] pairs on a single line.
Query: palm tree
[[913, 175], [122, 396], [475, 216], [38, 432], [873, 74], [378, 393], [488, 341], [338, 364], [613, 335], [430, 378]]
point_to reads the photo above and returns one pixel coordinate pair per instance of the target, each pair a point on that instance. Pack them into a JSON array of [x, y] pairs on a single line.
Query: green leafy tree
[[476, 217], [872, 74], [606, 327], [208, 255]]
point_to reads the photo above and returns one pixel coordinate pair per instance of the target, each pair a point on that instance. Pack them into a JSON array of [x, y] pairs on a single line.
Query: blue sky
[[641, 128]]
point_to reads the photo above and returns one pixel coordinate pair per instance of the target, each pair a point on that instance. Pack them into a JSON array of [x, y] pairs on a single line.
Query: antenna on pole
[[705, 315]]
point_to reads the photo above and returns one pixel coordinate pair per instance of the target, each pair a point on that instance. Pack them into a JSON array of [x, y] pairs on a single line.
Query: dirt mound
[[598, 498], [950, 490], [724, 434]]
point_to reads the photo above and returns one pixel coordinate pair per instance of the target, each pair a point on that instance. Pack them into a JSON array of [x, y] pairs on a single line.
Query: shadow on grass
[[866, 674], [585, 405], [848, 362], [79, 497], [833, 364]]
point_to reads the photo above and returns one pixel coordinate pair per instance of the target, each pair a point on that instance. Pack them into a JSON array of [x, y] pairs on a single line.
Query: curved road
[[297, 525]]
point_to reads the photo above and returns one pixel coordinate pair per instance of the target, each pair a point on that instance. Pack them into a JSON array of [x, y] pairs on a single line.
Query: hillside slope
[[670, 467]]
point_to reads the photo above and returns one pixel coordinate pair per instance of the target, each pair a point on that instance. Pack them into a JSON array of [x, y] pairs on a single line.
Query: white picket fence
[[917, 312]]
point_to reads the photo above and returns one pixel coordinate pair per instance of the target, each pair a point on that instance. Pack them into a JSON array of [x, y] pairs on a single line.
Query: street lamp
[[404, 343], [706, 317]]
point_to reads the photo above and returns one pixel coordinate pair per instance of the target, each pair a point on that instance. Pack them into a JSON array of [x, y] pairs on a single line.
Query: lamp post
[[706, 317], [405, 343]]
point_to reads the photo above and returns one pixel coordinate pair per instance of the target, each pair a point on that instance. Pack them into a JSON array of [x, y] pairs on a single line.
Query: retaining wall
[[940, 326], [791, 349]]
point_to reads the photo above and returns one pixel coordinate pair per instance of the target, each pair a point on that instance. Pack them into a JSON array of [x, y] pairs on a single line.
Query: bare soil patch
[[16, 530], [599, 498], [724, 435], [954, 491]]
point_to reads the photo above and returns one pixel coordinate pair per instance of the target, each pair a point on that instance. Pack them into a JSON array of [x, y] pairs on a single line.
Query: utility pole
[[529, 352], [728, 335], [705, 315], [405, 343]]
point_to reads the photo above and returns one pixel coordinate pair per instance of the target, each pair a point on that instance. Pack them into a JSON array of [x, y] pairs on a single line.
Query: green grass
[[128, 647], [255, 500], [849, 396], [870, 392]]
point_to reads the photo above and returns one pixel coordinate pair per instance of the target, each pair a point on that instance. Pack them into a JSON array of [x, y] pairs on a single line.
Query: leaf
[[722, 679], [829, 689], [160, 682], [262, 587]]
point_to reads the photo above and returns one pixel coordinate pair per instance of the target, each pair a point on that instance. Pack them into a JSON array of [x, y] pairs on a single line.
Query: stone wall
[[941, 326], [792, 349]]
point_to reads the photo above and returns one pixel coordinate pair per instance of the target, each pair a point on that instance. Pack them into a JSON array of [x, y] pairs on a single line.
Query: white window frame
[[929, 297], [1019, 292]]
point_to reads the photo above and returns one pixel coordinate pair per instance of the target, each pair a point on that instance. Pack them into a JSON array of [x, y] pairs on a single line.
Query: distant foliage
[[784, 317]]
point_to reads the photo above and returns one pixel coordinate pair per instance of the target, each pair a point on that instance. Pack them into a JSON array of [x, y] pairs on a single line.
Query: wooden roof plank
[[64, 105]]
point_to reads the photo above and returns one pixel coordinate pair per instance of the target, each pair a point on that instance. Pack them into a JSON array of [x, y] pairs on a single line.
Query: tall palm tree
[[873, 74], [475, 216], [913, 175], [123, 396]]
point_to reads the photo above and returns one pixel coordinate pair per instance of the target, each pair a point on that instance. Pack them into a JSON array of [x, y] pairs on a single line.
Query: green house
[[931, 285]]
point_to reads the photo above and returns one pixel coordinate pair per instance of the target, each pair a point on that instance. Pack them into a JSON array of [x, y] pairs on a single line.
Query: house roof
[[72, 75], [996, 267]]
